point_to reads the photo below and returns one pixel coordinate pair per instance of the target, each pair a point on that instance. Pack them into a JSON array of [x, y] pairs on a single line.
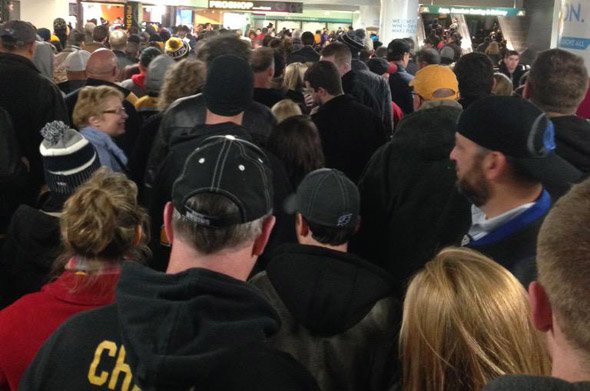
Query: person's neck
[[233, 262], [506, 198], [214, 119], [22, 53], [261, 80], [552, 114], [310, 241], [567, 363], [328, 98]]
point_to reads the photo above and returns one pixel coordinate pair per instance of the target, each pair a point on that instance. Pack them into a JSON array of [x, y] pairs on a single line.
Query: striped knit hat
[[69, 159], [177, 48]]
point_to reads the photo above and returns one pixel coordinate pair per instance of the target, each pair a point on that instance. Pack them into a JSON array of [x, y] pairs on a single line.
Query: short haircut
[[76, 38], [307, 38], [429, 56], [341, 53], [118, 40], [558, 81], [100, 33], [209, 240], [466, 320], [511, 53], [221, 44], [91, 102], [332, 236], [475, 73], [325, 75], [262, 59], [563, 262]]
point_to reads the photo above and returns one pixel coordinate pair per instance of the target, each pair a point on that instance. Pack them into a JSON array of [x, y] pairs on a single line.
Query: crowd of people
[[198, 209]]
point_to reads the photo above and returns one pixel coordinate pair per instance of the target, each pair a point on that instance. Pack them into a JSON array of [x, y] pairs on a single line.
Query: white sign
[[574, 31]]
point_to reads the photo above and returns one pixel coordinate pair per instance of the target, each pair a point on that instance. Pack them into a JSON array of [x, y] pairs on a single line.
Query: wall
[[42, 12]]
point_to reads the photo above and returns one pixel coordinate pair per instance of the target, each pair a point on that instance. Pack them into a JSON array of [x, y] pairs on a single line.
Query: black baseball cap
[[231, 167], [326, 197], [521, 131]]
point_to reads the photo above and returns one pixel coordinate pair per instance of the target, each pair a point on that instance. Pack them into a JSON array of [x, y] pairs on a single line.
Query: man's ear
[[541, 312], [262, 239], [168, 212], [494, 165], [301, 226]]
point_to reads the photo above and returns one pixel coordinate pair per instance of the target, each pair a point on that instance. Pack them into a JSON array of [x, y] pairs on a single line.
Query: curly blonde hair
[[182, 79], [91, 102]]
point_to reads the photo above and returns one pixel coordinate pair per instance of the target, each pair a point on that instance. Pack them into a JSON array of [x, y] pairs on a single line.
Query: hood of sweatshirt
[[178, 327], [327, 291]]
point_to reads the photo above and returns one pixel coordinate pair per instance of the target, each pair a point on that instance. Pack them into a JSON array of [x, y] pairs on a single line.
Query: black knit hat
[[378, 65], [229, 86], [231, 167], [68, 158], [326, 197], [521, 131], [355, 40]]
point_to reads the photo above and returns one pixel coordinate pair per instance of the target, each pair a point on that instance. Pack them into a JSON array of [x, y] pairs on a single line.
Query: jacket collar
[[18, 59]]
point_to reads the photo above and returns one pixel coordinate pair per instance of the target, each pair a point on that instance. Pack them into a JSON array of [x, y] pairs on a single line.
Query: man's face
[[471, 181], [314, 95], [511, 62]]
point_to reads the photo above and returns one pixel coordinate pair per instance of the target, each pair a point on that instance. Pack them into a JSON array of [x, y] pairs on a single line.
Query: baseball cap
[[76, 61], [17, 33], [435, 77], [326, 197], [521, 131], [231, 167]]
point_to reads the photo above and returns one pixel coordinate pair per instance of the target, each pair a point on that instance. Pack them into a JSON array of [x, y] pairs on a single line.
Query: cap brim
[[552, 170]]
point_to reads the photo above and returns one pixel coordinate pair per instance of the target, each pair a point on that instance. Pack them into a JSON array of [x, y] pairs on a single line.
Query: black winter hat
[[229, 86], [354, 39]]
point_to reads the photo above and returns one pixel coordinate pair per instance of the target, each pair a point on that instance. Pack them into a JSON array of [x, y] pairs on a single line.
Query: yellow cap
[[435, 77]]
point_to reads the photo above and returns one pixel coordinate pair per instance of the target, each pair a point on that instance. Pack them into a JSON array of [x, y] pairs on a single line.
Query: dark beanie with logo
[[229, 86]]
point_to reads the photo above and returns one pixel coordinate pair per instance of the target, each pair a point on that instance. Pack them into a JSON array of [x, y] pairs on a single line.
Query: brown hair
[[341, 52], [99, 221], [558, 81], [182, 79], [466, 321], [296, 141], [91, 102], [563, 261], [262, 59]]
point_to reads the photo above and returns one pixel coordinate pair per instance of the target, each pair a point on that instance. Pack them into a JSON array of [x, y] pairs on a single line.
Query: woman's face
[[112, 118]]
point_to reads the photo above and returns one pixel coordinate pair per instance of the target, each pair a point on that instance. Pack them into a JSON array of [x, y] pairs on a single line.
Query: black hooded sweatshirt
[[169, 332], [338, 316]]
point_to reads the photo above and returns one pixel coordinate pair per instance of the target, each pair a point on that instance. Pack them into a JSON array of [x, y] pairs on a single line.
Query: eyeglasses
[[119, 111]]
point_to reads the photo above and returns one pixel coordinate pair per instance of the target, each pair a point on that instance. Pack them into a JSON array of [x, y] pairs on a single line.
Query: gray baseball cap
[[17, 33]]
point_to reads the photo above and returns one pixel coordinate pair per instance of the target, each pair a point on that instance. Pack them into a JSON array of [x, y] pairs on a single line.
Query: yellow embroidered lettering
[[121, 367], [93, 378]]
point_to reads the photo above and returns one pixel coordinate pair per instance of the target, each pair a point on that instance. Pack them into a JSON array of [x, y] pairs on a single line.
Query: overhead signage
[[483, 11], [257, 6], [131, 14], [574, 32]]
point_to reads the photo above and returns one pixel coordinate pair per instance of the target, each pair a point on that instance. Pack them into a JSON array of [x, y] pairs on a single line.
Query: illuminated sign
[[265, 6], [483, 11]]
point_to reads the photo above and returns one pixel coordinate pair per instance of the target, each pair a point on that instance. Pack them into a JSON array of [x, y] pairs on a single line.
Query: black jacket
[[168, 332], [350, 134], [181, 146], [401, 92], [534, 383], [185, 113], [404, 191], [305, 54], [31, 247], [338, 316], [572, 139], [31, 100], [372, 91], [268, 96], [133, 123]]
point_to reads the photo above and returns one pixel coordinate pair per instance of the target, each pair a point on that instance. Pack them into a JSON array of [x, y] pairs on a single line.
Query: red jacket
[[27, 323]]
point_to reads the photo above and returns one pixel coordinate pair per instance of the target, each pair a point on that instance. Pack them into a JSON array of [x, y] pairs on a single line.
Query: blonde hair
[[503, 85], [293, 78], [284, 109], [91, 102], [100, 220], [466, 321], [182, 79]]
